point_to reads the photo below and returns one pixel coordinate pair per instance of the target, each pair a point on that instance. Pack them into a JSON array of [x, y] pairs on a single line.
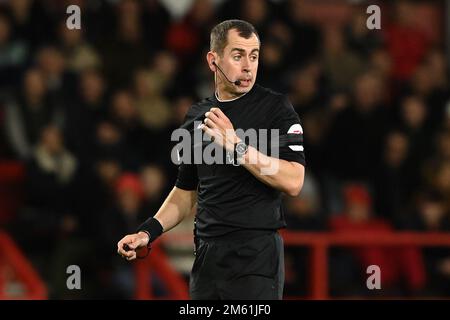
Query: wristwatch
[[240, 149]]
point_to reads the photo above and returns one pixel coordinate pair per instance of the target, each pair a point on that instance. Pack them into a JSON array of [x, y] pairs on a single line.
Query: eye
[[254, 58], [237, 58]]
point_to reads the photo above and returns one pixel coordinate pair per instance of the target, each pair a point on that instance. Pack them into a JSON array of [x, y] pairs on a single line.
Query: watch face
[[241, 148]]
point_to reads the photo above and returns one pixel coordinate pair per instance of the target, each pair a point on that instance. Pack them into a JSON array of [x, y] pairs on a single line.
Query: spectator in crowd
[[257, 12], [272, 65], [110, 143], [58, 81], [152, 107], [304, 213], [430, 212], [79, 54], [306, 35], [403, 268], [154, 183], [393, 179], [341, 66], [33, 21], [186, 37], [51, 212], [125, 116], [84, 113], [406, 43], [305, 92], [123, 216], [28, 113], [440, 155], [357, 132], [13, 54], [361, 39], [125, 49]]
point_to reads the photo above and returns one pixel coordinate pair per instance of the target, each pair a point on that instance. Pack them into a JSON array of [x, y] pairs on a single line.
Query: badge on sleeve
[[297, 130]]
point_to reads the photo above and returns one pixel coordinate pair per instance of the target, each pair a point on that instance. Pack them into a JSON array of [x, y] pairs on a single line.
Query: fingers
[[132, 256], [120, 246], [218, 126], [212, 132], [134, 244], [126, 247], [218, 113], [129, 255], [214, 117], [211, 123]]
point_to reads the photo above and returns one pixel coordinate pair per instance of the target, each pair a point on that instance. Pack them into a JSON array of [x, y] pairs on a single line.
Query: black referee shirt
[[230, 198]]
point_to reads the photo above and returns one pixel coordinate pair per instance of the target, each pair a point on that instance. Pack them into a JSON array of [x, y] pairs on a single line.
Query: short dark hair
[[219, 34]]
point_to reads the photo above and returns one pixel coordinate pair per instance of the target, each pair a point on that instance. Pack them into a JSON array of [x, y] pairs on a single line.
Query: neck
[[222, 95], [231, 98]]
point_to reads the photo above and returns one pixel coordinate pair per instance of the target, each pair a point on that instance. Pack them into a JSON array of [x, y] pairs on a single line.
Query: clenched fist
[[130, 243]]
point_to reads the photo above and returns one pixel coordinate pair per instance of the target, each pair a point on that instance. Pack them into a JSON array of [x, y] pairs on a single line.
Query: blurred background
[[86, 117]]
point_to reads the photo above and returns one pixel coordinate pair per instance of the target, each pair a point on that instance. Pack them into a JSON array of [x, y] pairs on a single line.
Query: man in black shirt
[[239, 253]]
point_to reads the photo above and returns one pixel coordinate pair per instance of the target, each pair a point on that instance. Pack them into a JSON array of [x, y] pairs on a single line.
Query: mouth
[[245, 82]]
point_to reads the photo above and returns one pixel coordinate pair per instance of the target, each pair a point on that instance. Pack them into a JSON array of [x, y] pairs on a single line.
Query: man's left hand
[[220, 128]]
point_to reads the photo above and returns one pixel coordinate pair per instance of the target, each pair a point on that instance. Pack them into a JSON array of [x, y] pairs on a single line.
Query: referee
[[239, 253]]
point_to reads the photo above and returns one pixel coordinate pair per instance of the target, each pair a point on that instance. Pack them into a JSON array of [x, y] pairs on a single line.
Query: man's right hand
[[133, 241]]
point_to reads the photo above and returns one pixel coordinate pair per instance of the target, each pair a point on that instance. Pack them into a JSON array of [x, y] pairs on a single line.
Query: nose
[[245, 65]]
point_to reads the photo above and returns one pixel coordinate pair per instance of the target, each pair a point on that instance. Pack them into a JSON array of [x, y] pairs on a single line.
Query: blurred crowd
[[90, 113]]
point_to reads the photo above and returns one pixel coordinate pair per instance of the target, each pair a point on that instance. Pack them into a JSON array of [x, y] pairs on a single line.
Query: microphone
[[237, 82]]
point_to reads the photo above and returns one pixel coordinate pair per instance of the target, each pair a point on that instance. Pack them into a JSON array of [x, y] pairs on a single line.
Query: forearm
[[176, 207], [283, 175], [277, 173]]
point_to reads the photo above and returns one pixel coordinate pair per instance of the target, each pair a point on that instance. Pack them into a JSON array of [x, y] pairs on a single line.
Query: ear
[[211, 58]]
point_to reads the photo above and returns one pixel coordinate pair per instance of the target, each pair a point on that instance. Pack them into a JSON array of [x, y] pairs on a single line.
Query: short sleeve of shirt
[[187, 178], [290, 129]]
